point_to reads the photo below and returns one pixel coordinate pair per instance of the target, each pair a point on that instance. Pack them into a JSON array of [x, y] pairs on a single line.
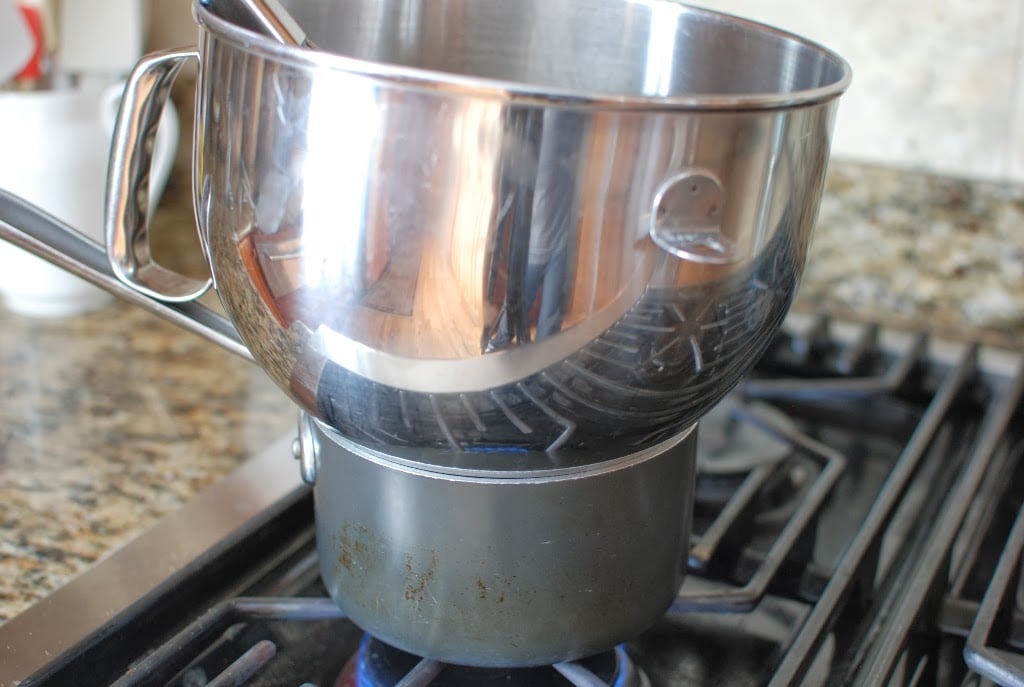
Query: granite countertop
[[110, 420], [113, 419], [915, 250]]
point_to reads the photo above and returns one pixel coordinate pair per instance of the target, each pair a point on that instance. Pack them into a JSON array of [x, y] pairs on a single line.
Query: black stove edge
[[34, 638]]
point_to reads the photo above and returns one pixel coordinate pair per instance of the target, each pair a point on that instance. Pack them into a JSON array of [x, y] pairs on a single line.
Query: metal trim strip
[[44, 631]]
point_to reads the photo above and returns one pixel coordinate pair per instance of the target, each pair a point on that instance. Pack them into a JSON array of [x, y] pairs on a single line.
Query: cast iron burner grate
[[858, 522], [309, 642]]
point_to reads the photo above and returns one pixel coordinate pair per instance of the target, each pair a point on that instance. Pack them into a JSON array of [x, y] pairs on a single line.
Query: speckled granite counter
[[912, 250], [107, 422], [110, 420]]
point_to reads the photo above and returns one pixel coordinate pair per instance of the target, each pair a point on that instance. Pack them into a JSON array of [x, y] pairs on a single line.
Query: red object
[[33, 69]]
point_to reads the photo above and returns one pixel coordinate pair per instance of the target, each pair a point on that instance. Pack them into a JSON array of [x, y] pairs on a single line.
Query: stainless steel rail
[[244, 498]]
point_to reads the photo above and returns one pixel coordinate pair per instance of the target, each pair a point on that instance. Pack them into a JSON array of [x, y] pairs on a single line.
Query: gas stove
[[857, 520]]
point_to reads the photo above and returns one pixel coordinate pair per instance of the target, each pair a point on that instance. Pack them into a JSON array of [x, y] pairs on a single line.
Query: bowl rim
[[486, 87]]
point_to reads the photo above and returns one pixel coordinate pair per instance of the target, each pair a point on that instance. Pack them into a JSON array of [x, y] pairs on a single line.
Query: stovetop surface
[[854, 524]]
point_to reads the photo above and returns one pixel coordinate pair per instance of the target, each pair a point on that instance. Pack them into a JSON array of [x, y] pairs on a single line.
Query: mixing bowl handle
[[129, 270], [126, 269], [686, 219], [46, 237], [131, 155]]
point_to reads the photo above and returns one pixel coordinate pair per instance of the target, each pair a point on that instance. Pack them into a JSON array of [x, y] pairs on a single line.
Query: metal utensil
[[268, 17]]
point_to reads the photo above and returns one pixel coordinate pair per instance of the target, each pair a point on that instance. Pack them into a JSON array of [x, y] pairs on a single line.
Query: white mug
[[54, 149]]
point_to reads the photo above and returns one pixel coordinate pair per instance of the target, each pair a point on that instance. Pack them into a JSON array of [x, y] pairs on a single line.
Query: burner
[[735, 443], [730, 443], [380, 665]]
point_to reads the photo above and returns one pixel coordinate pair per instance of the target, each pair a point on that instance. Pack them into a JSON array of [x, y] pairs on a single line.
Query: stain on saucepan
[[358, 550], [416, 582]]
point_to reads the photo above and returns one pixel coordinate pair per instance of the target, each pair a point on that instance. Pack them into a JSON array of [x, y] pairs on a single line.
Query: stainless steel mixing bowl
[[475, 225], [506, 253]]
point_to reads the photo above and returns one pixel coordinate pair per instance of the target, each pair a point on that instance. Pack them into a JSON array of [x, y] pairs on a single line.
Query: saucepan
[[472, 226]]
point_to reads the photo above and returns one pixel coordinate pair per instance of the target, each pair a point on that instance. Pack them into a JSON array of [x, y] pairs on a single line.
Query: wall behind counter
[[937, 83]]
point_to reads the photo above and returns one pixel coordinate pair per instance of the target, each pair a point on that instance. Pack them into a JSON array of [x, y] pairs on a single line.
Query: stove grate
[[880, 542], [236, 640], [856, 573], [931, 569], [830, 465], [996, 615]]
